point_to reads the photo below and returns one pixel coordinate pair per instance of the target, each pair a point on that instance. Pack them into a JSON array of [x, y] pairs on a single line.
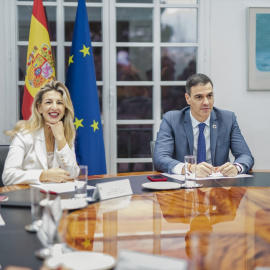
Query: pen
[[51, 192]]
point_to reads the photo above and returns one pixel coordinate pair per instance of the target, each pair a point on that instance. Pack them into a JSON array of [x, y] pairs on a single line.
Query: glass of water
[[190, 175], [80, 183], [36, 208]]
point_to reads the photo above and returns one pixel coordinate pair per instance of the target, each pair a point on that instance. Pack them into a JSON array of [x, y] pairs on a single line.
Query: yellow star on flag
[[85, 51], [87, 243], [70, 59], [78, 123], [95, 125]]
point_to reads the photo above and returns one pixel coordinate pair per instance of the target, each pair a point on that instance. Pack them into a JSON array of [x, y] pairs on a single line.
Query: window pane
[[100, 89], [22, 50], [94, 17], [97, 53], [178, 63], [180, 2], [22, 62], [134, 102], [24, 18], [21, 91], [178, 24], [134, 24], [172, 98], [134, 64], [25, 14], [133, 141], [134, 167]]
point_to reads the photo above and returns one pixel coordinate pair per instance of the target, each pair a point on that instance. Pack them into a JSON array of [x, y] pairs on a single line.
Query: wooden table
[[221, 227], [211, 228]]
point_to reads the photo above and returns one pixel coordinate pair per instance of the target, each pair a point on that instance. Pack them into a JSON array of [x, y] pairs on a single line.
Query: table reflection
[[201, 209], [79, 228], [212, 228]]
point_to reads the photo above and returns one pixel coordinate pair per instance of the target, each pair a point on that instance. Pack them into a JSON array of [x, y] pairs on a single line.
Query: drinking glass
[[80, 183], [190, 177], [36, 208]]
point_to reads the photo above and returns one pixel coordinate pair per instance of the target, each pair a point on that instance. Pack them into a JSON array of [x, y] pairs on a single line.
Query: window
[[144, 50]]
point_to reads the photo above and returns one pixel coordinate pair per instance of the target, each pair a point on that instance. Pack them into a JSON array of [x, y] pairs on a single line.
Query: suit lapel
[[40, 148], [213, 135], [189, 131]]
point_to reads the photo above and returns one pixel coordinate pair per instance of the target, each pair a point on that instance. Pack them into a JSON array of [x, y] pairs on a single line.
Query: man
[[180, 130]]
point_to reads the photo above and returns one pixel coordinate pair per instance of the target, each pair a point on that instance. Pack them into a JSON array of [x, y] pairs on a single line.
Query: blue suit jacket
[[175, 140]]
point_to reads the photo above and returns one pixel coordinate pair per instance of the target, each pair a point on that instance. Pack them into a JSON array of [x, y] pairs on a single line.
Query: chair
[[152, 147], [3, 154]]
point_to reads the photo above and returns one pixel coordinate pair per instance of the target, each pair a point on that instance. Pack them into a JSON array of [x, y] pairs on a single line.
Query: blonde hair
[[36, 121]]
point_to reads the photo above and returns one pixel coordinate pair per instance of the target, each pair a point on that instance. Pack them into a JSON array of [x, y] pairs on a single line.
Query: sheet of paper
[[212, 176], [2, 222], [60, 187]]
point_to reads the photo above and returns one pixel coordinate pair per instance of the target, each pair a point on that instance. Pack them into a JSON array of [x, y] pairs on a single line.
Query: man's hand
[[56, 175], [228, 169], [203, 169]]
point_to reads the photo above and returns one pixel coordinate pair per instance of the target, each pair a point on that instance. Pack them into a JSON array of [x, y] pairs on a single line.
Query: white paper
[[60, 187], [212, 176], [67, 203], [2, 222]]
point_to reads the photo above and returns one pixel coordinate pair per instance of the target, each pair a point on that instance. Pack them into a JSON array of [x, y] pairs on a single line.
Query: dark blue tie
[[201, 154]]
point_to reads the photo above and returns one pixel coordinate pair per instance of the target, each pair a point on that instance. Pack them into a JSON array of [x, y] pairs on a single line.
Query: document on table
[[59, 187], [218, 175], [2, 222]]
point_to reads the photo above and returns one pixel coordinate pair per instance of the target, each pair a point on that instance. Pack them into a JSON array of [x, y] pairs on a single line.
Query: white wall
[[8, 90], [2, 73], [228, 70]]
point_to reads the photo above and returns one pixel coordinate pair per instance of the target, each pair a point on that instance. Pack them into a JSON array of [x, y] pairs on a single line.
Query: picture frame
[[259, 48]]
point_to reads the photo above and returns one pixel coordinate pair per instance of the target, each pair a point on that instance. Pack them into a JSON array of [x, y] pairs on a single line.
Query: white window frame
[[9, 107]]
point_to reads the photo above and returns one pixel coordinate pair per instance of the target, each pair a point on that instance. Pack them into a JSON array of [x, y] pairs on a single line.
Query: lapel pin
[[214, 126]]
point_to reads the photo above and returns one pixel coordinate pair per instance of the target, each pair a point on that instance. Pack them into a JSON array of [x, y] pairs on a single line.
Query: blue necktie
[[201, 154]]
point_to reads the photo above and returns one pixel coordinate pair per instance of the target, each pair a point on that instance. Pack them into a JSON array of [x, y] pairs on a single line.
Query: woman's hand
[[56, 175], [58, 133]]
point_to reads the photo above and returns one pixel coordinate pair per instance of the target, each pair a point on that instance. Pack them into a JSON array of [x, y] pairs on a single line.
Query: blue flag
[[81, 82]]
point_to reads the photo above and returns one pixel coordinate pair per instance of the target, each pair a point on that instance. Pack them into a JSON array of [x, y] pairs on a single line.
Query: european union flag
[[81, 82]]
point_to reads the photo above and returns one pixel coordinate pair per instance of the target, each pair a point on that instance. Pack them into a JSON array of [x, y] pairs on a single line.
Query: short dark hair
[[197, 79]]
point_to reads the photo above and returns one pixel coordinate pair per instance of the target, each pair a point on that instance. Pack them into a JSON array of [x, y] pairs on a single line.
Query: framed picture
[[258, 48]]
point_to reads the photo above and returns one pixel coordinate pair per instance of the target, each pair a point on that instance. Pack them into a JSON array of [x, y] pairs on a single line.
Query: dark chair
[[152, 147], [3, 154]]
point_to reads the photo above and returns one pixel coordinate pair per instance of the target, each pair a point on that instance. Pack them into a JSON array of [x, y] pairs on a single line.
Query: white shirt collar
[[195, 122]]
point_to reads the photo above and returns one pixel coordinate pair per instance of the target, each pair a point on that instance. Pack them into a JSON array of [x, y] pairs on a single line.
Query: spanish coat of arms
[[40, 66]]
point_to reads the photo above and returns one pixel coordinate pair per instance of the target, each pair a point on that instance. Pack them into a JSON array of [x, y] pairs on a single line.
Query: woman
[[42, 147]]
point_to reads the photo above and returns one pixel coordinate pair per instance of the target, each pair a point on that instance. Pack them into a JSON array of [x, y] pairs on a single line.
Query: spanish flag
[[39, 65]]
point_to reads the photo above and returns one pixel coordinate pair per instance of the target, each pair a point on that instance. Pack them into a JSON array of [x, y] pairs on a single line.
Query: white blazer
[[27, 158]]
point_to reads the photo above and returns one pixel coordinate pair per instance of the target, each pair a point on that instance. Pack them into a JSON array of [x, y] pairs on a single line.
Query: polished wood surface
[[211, 228], [18, 187]]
